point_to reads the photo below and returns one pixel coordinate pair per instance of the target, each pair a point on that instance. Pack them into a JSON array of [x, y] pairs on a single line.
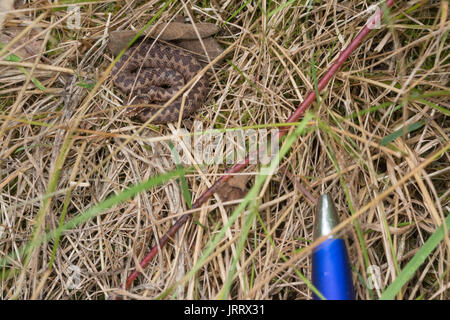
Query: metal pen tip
[[326, 217]]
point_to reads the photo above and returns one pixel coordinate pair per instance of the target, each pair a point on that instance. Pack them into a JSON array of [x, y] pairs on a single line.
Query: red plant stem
[[293, 118]]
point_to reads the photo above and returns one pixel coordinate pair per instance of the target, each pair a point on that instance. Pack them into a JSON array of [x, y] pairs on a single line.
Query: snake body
[[154, 72]]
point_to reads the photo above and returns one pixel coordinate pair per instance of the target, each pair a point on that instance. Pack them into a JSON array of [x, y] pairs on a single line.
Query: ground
[[85, 191]]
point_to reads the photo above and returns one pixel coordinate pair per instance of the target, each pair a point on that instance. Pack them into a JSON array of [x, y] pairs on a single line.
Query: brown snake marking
[[154, 73]]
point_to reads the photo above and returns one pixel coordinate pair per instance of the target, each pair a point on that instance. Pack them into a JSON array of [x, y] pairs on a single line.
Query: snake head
[[139, 108], [132, 112], [142, 112]]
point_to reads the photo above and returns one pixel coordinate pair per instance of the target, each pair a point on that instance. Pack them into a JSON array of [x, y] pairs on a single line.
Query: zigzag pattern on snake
[[154, 72]]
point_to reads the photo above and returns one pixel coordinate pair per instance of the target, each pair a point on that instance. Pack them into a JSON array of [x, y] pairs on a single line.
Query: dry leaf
[[30, 49], [8, 33], [183, 35], [121, 39], [183, 31], [213, 48], [235, 188]]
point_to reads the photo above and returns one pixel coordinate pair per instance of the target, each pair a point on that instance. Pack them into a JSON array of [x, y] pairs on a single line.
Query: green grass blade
[[184, 186], [435, 106], [281, 7], [96, 210], [16, 58], [398, 133], [251, 196], [236, 12], [415, 262], [235, 67], [372, 109], [250, 199]]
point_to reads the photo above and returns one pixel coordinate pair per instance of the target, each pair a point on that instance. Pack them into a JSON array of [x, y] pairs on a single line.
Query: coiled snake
[[154, 72]]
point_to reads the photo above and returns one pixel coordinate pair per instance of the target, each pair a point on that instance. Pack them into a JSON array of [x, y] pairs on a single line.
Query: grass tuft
[[85, 191]]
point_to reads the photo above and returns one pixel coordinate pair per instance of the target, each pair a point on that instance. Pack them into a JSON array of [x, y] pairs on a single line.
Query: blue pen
[[331, 272]]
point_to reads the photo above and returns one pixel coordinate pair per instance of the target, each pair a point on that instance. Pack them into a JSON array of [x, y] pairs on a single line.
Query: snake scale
[[153, 72]]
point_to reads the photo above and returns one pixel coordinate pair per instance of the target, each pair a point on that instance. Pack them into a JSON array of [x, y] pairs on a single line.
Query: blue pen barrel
[[331, 272]]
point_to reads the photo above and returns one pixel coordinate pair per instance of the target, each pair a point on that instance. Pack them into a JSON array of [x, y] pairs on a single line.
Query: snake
[[153, 72]]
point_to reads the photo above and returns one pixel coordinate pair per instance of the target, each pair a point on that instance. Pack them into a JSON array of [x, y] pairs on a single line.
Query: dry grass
[[278, 45]]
